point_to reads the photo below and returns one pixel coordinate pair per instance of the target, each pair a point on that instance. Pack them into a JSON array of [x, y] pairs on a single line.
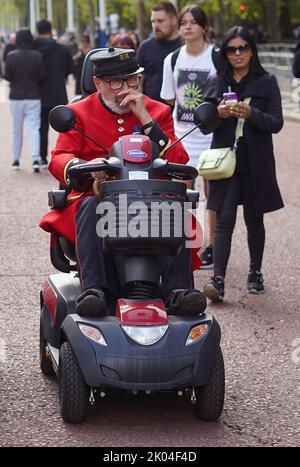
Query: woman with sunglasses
[[254, 182]]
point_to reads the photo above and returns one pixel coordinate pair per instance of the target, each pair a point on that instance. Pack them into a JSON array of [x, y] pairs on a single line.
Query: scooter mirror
[[62, 118], [207, 117]]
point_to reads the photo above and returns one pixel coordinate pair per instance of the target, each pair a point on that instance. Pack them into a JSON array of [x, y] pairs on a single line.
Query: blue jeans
[[30, 111]]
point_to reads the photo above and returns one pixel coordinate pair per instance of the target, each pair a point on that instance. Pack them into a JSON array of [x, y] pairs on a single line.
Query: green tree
[[278, 17]]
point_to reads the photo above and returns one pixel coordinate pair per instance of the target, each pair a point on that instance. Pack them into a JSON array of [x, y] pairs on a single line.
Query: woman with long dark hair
[[254, 182]]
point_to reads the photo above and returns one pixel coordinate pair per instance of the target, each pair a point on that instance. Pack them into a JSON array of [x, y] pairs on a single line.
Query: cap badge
[[124, 56]]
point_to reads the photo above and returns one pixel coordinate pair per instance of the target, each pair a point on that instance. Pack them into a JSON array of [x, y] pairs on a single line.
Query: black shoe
[[91, 303], [186, 302], [207, 258], [36, 167], [15, 165], [214, 289], [255, 282], [44, 164]]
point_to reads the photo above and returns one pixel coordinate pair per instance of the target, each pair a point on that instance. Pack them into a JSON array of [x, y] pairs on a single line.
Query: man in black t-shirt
[[153, 51]]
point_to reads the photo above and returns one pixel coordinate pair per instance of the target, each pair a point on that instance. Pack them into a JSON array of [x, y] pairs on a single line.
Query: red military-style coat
[[105, 127]]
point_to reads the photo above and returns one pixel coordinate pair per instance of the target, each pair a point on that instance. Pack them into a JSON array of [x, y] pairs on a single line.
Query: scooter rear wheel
[[73, 391], [210, 397], [45, 361]]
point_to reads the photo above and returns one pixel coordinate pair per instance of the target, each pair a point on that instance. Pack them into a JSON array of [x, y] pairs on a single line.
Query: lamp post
[[32, 15], [102, 15], [37, 9], [70, 8], [49, 10]]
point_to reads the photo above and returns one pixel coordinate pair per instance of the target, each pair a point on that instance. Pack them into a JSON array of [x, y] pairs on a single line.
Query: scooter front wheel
[[210, 397], [73, 391]]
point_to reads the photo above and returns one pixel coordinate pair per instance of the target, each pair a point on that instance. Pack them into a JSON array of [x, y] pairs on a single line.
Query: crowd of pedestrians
[[181, 70]]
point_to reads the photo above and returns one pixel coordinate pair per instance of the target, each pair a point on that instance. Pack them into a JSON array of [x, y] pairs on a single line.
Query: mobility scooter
[[139, 347]]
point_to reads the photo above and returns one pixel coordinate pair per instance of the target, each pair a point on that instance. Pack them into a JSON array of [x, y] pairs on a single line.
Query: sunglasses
[[243, 49]]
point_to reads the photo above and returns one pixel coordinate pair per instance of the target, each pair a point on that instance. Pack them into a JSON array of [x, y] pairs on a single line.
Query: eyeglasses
[[243, 49], [117, 84]]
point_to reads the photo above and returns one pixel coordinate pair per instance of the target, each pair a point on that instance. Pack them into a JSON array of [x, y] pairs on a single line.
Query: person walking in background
[[185, 74], [124, 41], [135, 38], [254, 182], [78, 59], [153, 51], [10, 46], [25, 71], [296, 61], [58, 63]]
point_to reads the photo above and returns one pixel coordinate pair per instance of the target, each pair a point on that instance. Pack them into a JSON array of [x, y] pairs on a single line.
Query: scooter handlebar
[[179, 171], [160, 167], [80, 169]]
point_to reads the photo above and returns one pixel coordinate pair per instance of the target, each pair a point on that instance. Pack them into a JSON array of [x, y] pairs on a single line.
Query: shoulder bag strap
[[240, 125]]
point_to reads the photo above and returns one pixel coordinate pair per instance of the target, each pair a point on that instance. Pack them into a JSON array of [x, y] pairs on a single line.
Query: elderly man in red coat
[[116, 109]]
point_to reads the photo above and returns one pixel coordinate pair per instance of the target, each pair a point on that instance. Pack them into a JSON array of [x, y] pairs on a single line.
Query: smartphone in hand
[[230, 98]]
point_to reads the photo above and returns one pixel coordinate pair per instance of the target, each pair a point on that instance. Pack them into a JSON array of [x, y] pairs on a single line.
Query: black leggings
[[239, 191]]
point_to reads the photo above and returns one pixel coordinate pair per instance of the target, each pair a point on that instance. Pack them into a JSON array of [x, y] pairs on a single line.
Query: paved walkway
[[260, 334]]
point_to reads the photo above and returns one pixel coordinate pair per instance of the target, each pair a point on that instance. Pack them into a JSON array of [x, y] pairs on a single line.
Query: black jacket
[[25, 70], [296, 62], [59, 64], [266, 119]]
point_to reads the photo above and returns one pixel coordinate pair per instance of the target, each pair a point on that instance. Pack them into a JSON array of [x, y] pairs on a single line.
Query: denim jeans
[[30, 111]]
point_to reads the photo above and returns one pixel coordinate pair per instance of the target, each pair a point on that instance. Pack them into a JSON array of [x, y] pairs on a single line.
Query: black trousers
[[239, 191], [98, 270], [44, 130]]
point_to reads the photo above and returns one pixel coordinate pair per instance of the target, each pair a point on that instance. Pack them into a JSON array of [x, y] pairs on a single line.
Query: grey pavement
[[260, 334]]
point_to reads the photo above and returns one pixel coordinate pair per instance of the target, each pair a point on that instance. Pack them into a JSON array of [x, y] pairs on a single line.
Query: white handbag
[[217, 164]]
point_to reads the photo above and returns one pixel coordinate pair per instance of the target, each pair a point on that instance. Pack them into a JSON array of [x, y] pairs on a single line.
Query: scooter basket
[[142, 216]]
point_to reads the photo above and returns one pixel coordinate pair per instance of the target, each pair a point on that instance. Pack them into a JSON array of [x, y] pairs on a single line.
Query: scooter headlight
[[92, 333], [145, 335], [196, 333]]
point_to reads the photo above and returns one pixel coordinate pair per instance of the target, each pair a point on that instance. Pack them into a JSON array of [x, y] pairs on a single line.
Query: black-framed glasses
[[243, 49], [117, 84]]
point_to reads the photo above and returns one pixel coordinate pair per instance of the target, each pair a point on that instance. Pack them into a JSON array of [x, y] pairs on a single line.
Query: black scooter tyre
[[210, 398], [73, 391], [45, 361]]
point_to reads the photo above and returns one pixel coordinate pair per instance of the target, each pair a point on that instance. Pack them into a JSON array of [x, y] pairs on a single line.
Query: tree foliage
[[274, 15]]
